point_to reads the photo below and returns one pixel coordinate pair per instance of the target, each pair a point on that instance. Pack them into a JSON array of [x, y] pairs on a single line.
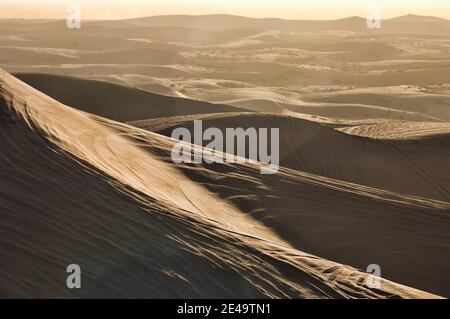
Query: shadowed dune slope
[[352, 224], [116, 102], [81, 189], [409, 167]]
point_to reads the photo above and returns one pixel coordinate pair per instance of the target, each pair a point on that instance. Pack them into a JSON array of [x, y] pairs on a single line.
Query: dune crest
[[404, 167], [102, 194]]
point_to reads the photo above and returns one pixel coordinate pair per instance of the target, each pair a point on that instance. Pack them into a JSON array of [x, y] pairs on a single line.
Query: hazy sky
[[294, 9]]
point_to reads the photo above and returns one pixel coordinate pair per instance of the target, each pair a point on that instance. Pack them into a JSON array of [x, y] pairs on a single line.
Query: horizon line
[[223, 14]]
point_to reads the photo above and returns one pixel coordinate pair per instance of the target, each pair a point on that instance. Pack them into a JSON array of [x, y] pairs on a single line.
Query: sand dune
[[429, 132], [14, 55], [426, 107], [116, 102], [124, 29], [403, 167], [80, 42], [354, 111], [355, 51], [135, 56], [88, 178], [178, 34], [102, 194], [435, 105], [100, 70], [344, 222], [263, 54], [48, 56]]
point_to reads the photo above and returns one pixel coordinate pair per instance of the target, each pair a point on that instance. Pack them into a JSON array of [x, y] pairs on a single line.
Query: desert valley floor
[[86, 117]]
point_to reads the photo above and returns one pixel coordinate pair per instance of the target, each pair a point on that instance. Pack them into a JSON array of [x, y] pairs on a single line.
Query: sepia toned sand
[[117, 102], [86, 118], [141, 226], [406, 167]]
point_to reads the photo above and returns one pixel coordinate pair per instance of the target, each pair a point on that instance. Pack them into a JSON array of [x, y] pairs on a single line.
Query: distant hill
[[203, 26], [116, 102], [404, 24]]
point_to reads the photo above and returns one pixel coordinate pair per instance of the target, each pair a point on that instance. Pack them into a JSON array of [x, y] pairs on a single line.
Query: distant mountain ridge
[[409, 23]]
